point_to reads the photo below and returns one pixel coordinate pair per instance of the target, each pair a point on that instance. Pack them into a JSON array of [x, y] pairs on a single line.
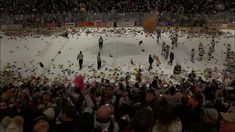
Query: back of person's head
[[172, 90], [46, 97], [150, 95], [167, 120], [68, 110], [166, 114], [103, 117], [85, 122], [142, 121], [5, 110], [184, 101], [39, 122], [210, 116], [3, 104], [104, 112]]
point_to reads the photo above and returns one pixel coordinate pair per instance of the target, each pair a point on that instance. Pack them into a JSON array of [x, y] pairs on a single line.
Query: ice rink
[[119, 48]]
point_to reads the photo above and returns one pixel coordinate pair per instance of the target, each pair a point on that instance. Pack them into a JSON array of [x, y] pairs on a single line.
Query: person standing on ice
[[174, 42], [150, 62], [163, 49], [101, 41], [228, 52], [66, 34], [80, 59], [98, 61], [200, 51], [210, 53], [172, 56], [228, 48], [192, 55], [158, 34], [167, 50], [213, 45]]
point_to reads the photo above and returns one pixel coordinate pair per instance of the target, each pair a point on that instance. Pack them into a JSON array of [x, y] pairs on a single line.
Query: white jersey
[[98, 58], [80, 56], [100, 40], [163, 47], [210, 49], [167, 48], [200, 46], [213, 43], [193, 53], [201, 52]]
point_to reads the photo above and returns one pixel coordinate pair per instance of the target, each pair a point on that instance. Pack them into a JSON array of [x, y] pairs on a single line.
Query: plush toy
[[49, 113], [41, 64], [207, 73], [79, 81], [158, 62], [14, 124]]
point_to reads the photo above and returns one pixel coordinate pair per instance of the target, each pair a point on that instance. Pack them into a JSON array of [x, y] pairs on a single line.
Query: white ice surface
[[27, 53]]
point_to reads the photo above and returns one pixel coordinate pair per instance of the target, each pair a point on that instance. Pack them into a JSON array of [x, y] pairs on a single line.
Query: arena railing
[[167, 19]]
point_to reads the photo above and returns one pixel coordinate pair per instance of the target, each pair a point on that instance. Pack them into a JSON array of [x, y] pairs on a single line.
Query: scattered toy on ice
[[140, 42], [41, 64], [158, 62], [132, 62]]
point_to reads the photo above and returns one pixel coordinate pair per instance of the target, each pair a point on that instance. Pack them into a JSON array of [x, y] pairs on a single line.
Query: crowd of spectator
[[40, 104], [26, 7], [59, 11]]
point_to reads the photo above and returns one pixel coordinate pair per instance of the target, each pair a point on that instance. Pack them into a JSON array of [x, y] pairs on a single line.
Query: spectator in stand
[[28, 7], [168, 120], [149, 98], [227, 123], [209, 122], [103, 119], [142, 121], [3, 109], [40, 123], [185, 111]]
